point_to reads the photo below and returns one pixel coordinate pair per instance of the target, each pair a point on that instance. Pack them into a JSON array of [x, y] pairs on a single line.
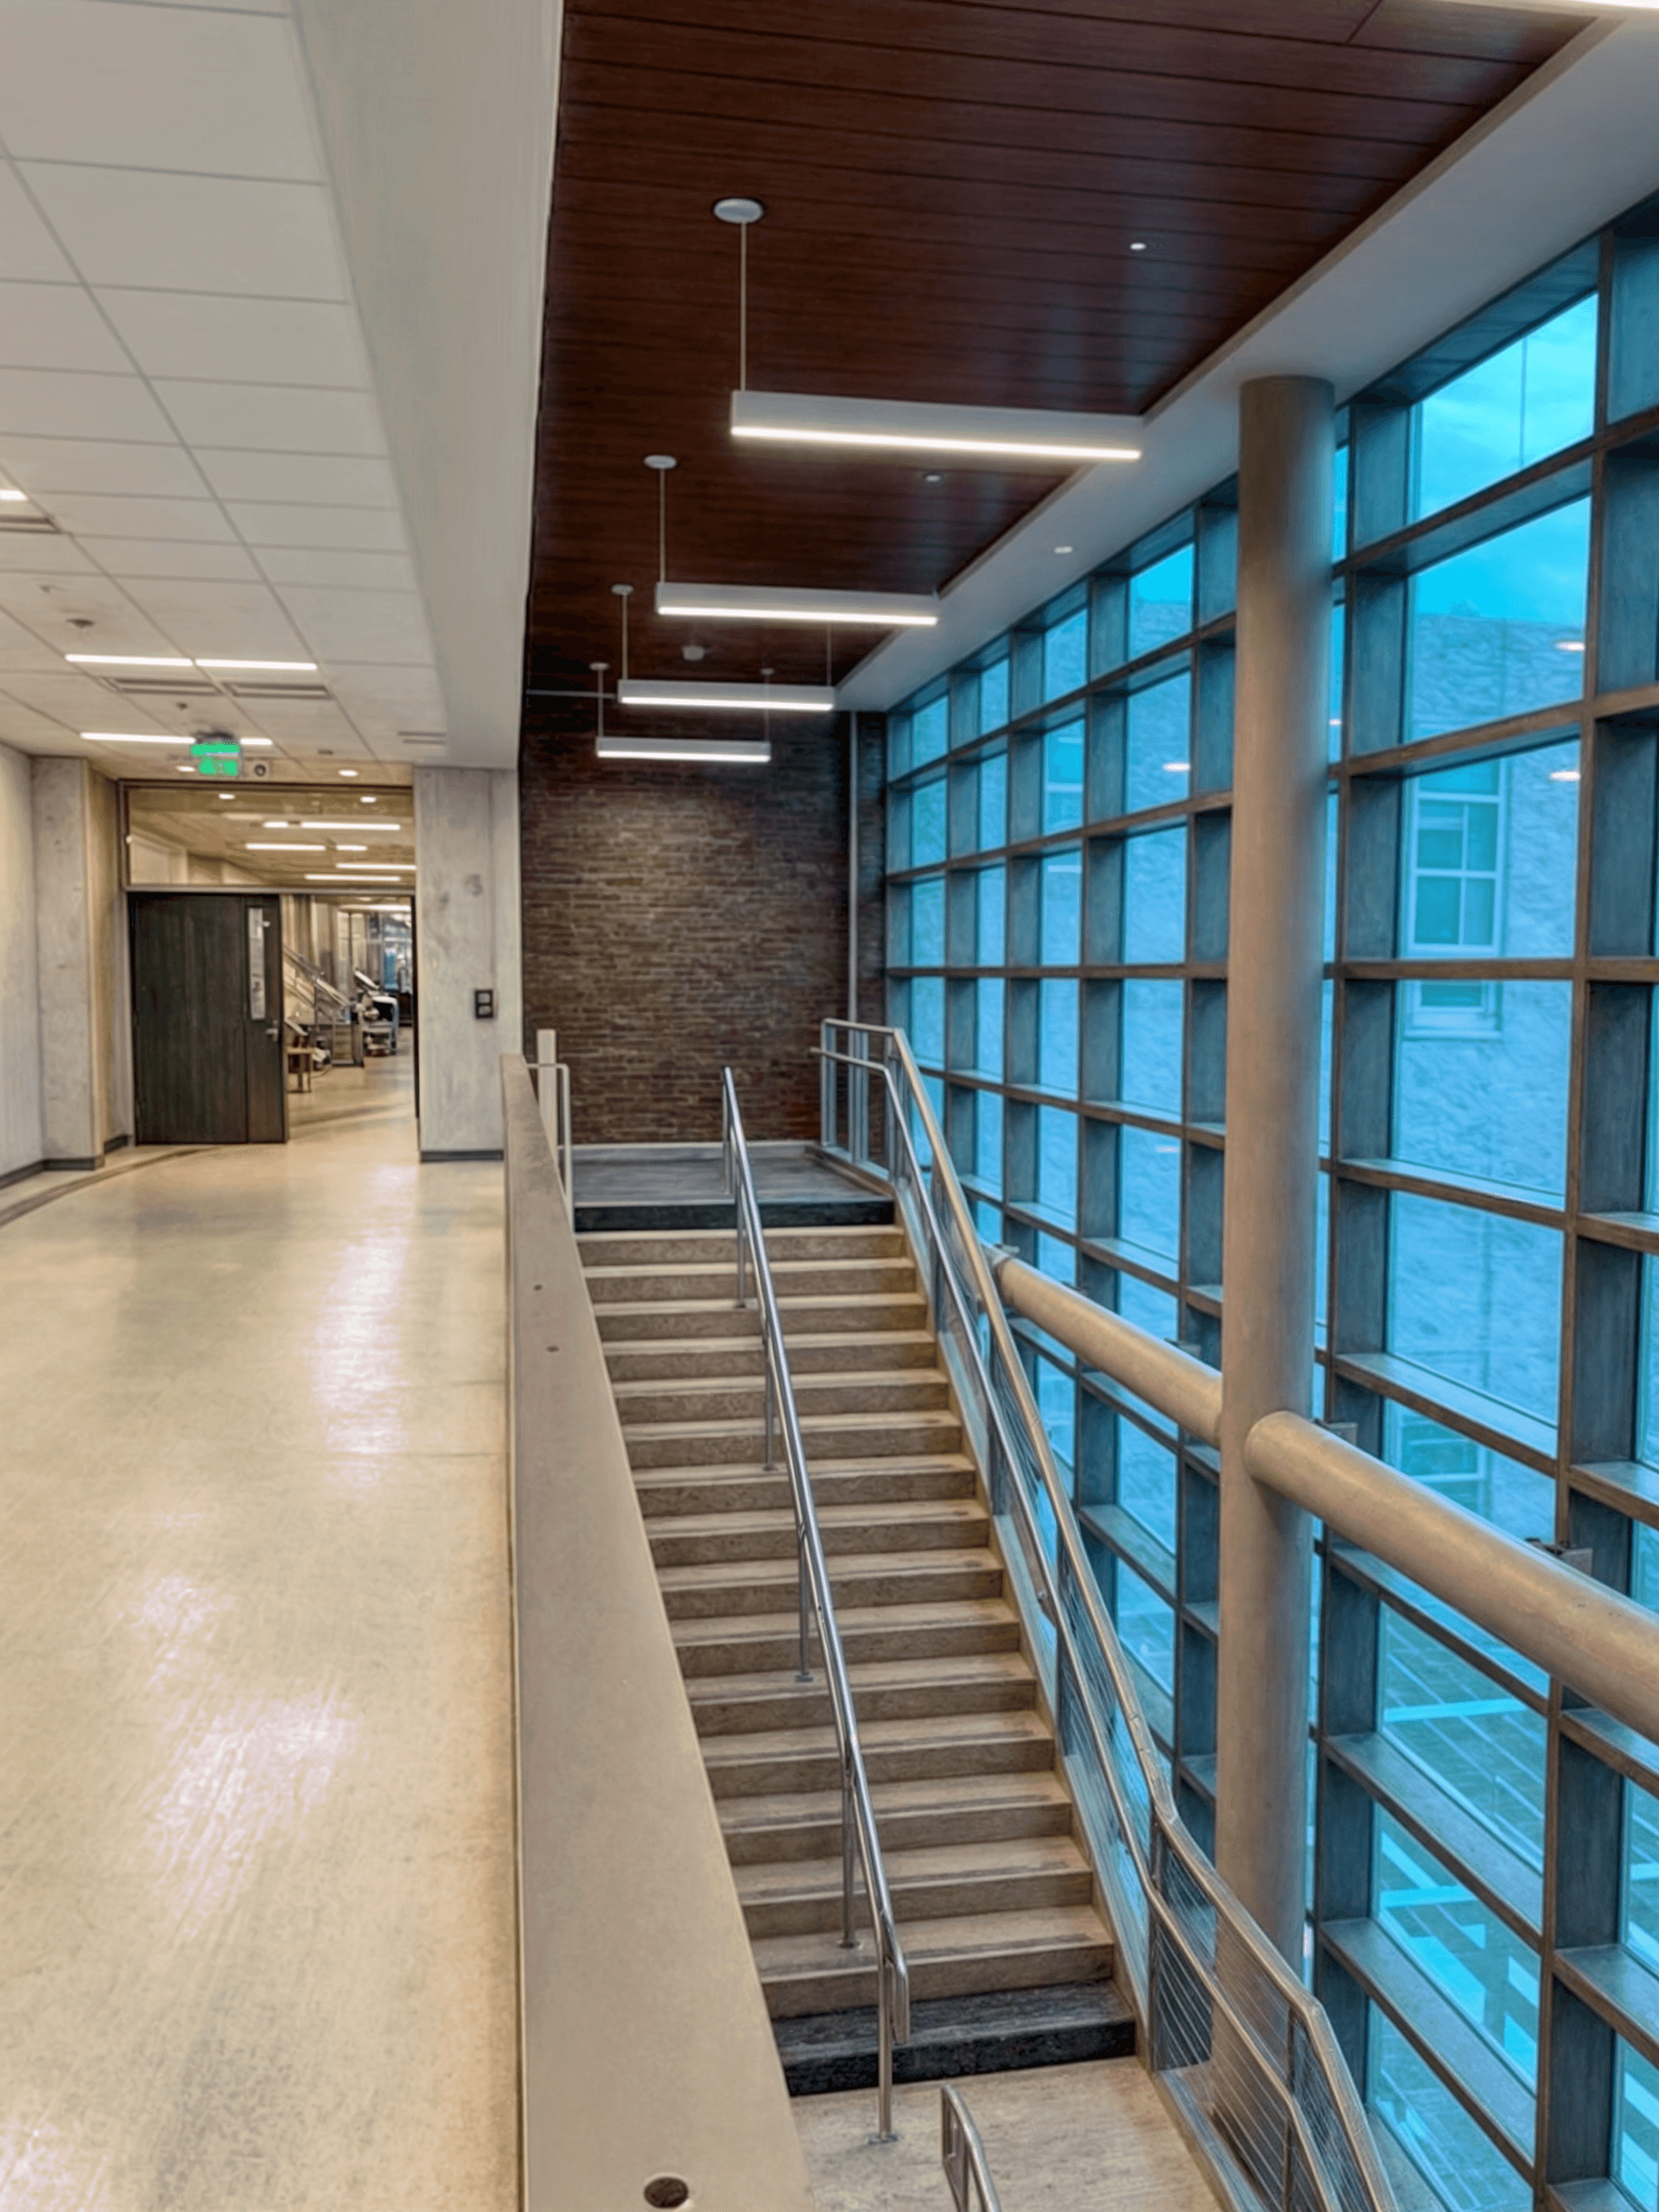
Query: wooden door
[[207, 1018]]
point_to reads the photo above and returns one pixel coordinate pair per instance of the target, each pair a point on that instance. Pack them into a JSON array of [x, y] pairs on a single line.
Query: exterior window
[[1531, 399], [1065, 655], [1499, 630]]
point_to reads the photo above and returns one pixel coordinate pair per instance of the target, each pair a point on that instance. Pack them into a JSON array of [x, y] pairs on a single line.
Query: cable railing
[[1237, 2041], [859, 1838]]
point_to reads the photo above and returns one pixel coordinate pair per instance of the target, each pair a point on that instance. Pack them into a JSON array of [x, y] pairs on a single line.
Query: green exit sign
[[217, 756]]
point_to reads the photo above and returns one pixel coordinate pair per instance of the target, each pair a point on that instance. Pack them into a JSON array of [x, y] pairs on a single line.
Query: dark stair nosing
[[648, 1214], [1003, 2033]]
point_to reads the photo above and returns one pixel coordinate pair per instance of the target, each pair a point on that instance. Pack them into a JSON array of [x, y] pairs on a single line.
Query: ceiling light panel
[[753, 751], [739, 698], [886, 610], [1014, 433]]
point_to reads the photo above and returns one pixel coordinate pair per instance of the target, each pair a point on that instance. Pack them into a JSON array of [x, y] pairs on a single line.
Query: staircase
[[992, 1894]]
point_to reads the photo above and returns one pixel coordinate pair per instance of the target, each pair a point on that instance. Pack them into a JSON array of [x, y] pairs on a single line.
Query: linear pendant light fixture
[[1001, 434], [751, 750], [872, 610]]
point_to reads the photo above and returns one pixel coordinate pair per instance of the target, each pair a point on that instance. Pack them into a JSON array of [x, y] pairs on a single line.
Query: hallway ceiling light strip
[[755, 750], [252, 848], [910, 426], [364, 823], [746, 698], [886, 610], [129, 737], [173, 660]]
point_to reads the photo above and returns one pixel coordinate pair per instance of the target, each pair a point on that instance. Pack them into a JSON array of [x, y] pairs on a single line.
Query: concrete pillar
[[467, 941], [21, 1144], [81, 930], [1274, 958]]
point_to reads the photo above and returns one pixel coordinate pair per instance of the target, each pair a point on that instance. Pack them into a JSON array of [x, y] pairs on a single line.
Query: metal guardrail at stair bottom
[[1240, 2046], [962, 2156], [858, 1833]]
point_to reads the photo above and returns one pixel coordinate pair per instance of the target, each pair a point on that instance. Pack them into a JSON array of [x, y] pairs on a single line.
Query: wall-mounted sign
[[255, 963], [217, 756]]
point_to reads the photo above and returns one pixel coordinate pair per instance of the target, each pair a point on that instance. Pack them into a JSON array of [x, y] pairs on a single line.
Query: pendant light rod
[[742, 213], [625, 593], [599, 668], [662, 462]]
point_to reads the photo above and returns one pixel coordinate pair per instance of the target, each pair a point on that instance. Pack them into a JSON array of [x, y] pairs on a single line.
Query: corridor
[[257, 1888]]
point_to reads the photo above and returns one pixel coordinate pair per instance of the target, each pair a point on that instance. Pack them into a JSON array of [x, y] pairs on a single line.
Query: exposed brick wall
[[678, 919]]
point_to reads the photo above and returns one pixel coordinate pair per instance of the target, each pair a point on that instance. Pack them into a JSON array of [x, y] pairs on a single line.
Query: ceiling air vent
[[302, 692], [22, 525], [163, 687]]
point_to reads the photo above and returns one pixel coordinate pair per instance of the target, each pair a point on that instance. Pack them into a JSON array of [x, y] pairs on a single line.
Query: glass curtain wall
[[1484, 1924]]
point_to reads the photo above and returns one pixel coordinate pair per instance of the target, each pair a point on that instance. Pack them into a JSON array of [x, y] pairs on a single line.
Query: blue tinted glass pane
[[1146, 1481], [1154, 896], [1465, 1949], [1478, 1299], [993, 802], [1062, 909], [1056, 1037], [1146, 1626], [1487, 866], [1149, 1191], [1339, 505], [1483, 1748], [1536, 397], [898, 925], [898, 830], [1322, 1261], [927, 1018], [991, 897], [930, 731], [1057, 1164], [1065, 653], [1641, 1929], [1160, 602], [1151, 1046], [988, 1140], [927, 823], [994, 695], [1501, 1491], [1647, 1381], [1057, 1401], [988, 1029], [898, 744], [1644, 1567], [927, 922], [1636, 2127], [988, 1220], [1461, 2165], [1158, 765], [1063, 778], [1499, 630], [1150, 1309], [1338, 652], [1460, 1068], [1056, 1258]]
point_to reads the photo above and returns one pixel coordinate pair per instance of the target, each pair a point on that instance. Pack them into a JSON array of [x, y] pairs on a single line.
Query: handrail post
[[884, 2059], [848, 1937], [827, 1076], [803, 1671]]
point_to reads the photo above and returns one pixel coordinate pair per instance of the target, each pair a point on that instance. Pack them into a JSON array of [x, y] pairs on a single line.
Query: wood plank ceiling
[[953, 192]]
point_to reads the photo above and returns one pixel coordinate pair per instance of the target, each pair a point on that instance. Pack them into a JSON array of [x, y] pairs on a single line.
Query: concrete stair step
[[650, 1284], [777, 1761], [872, 1389], [764, 1830], [950, 2037], [726, 1587], [826, 1436], [680, 1318], [770, 1641], [632, 1247], [1013, 1950], [720, 1488], [883, 1689], [941, 1882], [666, 1359], [929, 1524]]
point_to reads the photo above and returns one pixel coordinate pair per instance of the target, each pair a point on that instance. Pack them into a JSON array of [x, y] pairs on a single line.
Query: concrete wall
[[467, 940], [72, 1084], [22, 1139], [678, 919], [112, 970]]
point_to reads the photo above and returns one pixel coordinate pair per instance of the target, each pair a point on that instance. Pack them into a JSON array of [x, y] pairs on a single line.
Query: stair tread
[[941, 1728], [922, 1420], [1072, 1927], [948, 1612], [876, 1512], [944, 1463], [942, 1863], [865, 1674], [815, 1340], [862, 1378], [962, 1794], [712, 1573]]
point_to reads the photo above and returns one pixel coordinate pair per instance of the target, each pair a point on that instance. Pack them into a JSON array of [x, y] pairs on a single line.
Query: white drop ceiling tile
[[56, 327], [347, 530], [193, 233], [307, 725], [78, 702], [65, 404], [345, 571], [54, 606], [172, 556], [28, 248], [31, 732], [360, 625], [221, 622], [46, 554], [86, 514], [242, 341], [153, 88], [21, 648], [320, 479], [42, 466], [267, 417]]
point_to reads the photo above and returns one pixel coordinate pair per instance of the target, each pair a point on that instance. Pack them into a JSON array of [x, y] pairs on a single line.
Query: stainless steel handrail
[[1226, 2020], [858, 1828], [962, 2156]]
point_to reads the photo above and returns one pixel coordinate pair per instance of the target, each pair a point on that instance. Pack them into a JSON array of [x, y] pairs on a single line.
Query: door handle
[[275, 1031]]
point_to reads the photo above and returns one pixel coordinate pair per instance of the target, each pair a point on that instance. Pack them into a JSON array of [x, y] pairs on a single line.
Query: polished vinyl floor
[[256, 1886]]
